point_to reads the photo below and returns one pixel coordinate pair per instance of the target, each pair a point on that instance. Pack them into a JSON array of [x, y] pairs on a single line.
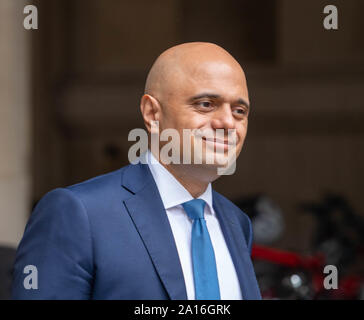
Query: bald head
[[197, 86], [188, 62]]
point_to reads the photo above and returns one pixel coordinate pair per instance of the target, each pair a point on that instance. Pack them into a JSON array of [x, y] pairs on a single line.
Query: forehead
[[227, 80]]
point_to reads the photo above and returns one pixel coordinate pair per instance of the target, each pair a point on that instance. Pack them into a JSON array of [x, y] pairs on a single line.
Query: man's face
[[208, 96]]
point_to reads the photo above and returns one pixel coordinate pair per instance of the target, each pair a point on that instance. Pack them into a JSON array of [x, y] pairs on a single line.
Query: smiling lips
[[219, 144]]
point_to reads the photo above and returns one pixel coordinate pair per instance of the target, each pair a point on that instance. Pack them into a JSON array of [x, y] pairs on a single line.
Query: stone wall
[[15, 121]]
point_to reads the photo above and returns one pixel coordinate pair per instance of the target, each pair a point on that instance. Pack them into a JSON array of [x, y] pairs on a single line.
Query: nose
[[223, 118]]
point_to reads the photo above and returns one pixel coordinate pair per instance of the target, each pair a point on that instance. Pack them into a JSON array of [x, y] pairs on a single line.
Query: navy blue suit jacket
[[110, 238]]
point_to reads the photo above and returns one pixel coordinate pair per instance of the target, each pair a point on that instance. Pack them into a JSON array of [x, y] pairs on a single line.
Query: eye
[[205, 104], [241, 111]]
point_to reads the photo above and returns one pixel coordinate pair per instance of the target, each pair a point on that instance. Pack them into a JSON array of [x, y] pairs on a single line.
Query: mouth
[[219, 144]]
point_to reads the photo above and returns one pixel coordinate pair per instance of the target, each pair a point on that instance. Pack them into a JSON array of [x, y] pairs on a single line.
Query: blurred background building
[[70, 95]]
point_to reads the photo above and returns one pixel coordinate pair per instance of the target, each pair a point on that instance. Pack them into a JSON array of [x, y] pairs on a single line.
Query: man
[[155, 230]]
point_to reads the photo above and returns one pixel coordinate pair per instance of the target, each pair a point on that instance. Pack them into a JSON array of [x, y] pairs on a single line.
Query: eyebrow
[[217, 96]]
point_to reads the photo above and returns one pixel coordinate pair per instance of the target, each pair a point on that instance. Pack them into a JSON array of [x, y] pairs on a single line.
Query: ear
[[151, 110]]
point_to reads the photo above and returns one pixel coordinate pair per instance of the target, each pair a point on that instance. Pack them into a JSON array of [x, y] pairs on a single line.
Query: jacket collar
[[146, 210]]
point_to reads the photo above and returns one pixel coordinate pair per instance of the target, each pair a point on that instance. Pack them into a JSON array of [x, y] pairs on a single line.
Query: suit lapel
[[146, 209], [234, 237]]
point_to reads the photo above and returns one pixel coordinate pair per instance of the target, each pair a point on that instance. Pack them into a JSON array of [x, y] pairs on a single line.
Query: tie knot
[[194, 208]]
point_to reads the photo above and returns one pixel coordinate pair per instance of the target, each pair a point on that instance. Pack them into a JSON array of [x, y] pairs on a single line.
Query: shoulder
[[231, 207], [99, 183], [84, 195], [103, 187], [238, 215]]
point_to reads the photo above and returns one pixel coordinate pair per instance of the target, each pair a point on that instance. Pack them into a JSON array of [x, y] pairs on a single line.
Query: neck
[[194, 178], [191, 182]]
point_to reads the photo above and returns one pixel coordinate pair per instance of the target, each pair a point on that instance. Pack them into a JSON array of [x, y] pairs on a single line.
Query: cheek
[[192, 121], [170, 120], [177, 117], [241, 131], [243, 127]]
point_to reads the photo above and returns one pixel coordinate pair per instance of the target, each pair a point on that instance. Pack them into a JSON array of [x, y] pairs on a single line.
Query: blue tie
[[203, 257]]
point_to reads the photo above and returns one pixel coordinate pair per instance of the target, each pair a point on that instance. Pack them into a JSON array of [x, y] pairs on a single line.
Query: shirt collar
[[172, 192]]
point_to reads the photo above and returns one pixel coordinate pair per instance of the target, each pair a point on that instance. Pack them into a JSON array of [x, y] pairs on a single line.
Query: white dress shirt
[[173, 194]]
